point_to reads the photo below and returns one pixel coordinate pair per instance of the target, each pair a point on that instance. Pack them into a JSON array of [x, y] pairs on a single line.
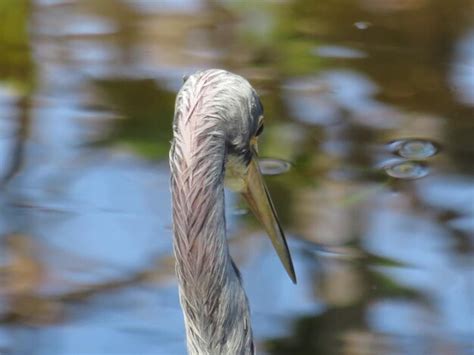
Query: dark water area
[[368, 150]]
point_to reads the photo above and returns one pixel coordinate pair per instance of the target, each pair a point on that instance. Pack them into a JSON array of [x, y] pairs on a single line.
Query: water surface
[[368, 149]]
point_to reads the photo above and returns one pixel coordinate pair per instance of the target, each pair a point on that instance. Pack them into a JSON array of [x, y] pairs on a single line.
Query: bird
[[218, 118]]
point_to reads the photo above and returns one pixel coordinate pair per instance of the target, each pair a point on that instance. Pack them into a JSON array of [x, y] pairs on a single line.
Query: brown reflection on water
[[86, 100]]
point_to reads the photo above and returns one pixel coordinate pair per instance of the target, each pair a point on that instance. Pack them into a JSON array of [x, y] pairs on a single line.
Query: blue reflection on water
[[99, 215]]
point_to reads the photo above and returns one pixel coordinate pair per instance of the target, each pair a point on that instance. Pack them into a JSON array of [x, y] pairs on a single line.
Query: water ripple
[[414, 148], [406, 169], [272, 166], [362, 25]]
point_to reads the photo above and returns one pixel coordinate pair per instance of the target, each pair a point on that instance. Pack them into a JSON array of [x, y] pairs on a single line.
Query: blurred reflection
[[18, 78], [86, 101]]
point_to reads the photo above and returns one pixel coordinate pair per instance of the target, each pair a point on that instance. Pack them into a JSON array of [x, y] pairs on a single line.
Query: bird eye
[[259, 130]]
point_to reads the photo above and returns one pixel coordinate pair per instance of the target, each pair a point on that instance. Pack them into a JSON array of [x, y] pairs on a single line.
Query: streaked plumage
[[217, 116]]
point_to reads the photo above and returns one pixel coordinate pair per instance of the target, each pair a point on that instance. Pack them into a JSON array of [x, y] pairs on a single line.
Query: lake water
[[368, 149]]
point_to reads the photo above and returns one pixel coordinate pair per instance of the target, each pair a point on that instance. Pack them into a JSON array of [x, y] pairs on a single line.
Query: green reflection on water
[[16, 62], [148, 112]]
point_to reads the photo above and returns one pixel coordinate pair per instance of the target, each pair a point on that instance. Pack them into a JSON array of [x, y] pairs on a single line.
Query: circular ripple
[[238, 211], [414, 148], [407, 169], [362, 25], [270, 166]]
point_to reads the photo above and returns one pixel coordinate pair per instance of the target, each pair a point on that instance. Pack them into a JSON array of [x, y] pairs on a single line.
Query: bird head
[[238, 112]]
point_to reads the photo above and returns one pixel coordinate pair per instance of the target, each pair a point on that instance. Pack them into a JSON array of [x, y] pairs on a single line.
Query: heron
[[218, 118]]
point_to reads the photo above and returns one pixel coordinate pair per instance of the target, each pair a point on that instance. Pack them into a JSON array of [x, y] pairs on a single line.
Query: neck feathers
[[214, 303]]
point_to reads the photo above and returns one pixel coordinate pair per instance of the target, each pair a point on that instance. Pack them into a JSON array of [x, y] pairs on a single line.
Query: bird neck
[[215, 307]]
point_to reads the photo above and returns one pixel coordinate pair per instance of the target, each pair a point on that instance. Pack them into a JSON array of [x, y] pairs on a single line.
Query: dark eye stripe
[[259, 130]]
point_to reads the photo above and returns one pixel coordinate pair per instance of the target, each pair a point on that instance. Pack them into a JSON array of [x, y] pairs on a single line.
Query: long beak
[[258, 198]]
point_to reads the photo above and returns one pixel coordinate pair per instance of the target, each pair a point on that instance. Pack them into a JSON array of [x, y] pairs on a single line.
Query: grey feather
[[216, 114]]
